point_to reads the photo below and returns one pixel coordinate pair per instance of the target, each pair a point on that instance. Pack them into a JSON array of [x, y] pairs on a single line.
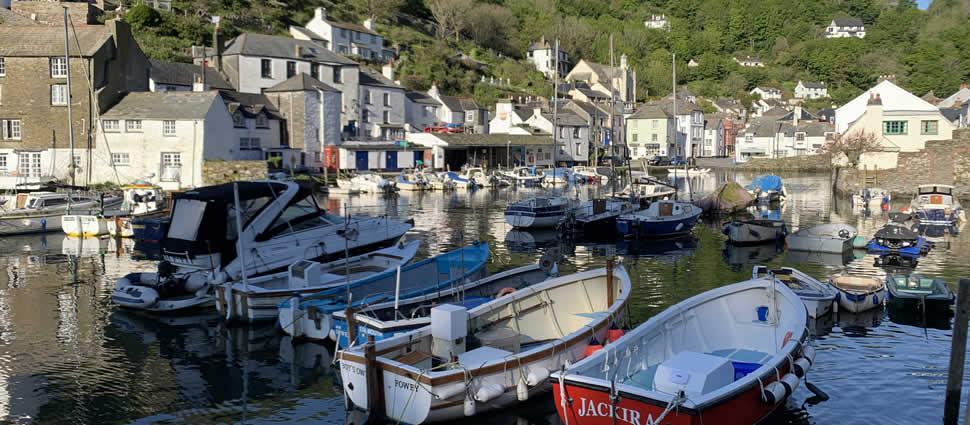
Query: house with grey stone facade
[[34, 130], [572, 133], [177, 76], [311, 113], [420, 111], [382, 106], [460, 110]]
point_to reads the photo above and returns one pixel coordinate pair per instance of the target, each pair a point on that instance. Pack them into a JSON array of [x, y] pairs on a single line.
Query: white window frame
[[262, 121], [10, 130], [120, 159], [111, 125], [133, 126], [469, 116], [168, 128], [250, 143], [3, 67], [59, 94], [58, 65], [3, 161]]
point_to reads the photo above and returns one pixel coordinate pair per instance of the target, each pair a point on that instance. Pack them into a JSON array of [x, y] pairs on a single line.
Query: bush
[[143, 16]]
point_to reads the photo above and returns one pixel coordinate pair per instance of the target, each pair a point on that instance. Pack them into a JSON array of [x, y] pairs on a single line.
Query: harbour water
[[69, 356]]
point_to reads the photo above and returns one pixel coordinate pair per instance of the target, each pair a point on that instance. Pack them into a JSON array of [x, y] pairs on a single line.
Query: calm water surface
[[68, 356]]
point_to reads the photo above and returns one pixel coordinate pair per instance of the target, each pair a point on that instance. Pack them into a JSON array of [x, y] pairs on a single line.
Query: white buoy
[[449, 392], [469, 406], [774, 393], [808, 352]]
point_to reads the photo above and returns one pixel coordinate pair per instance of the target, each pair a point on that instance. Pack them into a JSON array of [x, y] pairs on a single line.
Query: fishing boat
[[767, 188], [894, 238], [916, 291], [598, 215], [585, 174], [832, 238], [311, 317], [730, 356], [236, 231], [755, 231], [536, 212], [936, 204], [459, 181], [367, 182], [257, 298], [436, 181], [661, 218], [478, 176], [524, 176], [387, 319], [555, 176], [410, 181], [509, 345], [42, 212], [872, 198], [141, 200], [817, 296], [858, 293]]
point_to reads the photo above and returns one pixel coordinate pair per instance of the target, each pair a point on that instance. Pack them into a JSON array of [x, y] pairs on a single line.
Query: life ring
[[504, 291]]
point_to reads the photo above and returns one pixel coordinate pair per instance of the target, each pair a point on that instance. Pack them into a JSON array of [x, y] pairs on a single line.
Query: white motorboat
[[817, 296], [755, 231], [140, 200], [367, 182], [585, 174], [536, 212], [689, 171], [281, 224], [459, 181], [410, 181], [509, 345], [436, 181], [42, 212], [936, 204], [647, 191], [524, 176], [832, 238], [478, 176], [859, 293], [730, 356]]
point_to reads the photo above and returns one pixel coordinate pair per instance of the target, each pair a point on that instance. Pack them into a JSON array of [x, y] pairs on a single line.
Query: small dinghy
[[755, 231], [817, 296], [163, 291], [257, 298], [767, 188], [430, 275], [833, 238], [660, 219], [730, 356], [915, 291], [897, 239], [858, 293], [495, 356], [387, 319]]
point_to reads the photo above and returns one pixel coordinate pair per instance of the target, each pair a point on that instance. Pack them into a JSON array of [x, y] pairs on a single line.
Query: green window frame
[[929, 127], [894, 127]]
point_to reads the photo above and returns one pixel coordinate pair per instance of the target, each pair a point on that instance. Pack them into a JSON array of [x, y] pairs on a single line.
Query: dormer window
[[262, 121], [238, 120]]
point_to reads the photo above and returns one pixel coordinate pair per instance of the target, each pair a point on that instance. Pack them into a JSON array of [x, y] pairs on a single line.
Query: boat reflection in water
[[939, 235], [820, 258], [935, 318], [859, 324], [517, 240], [682, 246], [744, 255], [822, 325]]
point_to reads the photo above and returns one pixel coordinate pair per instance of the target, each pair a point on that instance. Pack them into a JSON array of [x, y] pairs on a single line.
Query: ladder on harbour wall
[[869, 178]]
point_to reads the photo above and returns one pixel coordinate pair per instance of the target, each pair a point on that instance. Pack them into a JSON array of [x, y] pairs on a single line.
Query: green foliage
[[143, 16]]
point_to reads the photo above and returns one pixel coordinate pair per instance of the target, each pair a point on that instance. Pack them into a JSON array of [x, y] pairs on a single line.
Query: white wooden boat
[[660, 219], [478, 176], [140, 200], [387, 319], [681, 172], [459, 181], [410, 181], [832, 238], [42, 212], [858, 293], [367, 182], [755, 231], [257, 299], [524, 176], [536, 212], [731, 356], [817, 296], [436, 181], [509, 346], [585, 174]]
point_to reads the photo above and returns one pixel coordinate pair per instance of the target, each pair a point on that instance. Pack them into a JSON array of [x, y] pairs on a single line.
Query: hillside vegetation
[[925, 50]]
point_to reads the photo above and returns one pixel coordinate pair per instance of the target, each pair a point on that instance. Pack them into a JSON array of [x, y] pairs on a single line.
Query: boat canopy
[[926, 189], [765, 183], [247, 191]]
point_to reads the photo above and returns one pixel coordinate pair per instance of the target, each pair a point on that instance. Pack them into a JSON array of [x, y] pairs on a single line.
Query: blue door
[[418, 156], [361, 160], [390, 162]]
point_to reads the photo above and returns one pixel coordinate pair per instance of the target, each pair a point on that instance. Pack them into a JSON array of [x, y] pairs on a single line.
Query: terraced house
[[105, 64]]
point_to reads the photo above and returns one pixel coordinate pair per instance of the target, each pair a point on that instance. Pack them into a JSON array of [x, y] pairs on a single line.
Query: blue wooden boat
[[150, 229], [661, 218], [310, 317]]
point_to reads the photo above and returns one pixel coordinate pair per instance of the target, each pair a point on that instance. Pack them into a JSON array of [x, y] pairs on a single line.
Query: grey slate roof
[[649, 112], [952, 114], [251, 104], [593, 94], [775, 112], [173, 105], [566, 119], [300, 82], [813, 85], [603, 72], [806, 116], [848, 22], [467, 139], [769, 126], [184, 74], [9, 17], [422, 98], [589, 108], [370, 77], [460, 103], [351, 26], [682, 93], [44, 40], [252, 44], [683, 107]]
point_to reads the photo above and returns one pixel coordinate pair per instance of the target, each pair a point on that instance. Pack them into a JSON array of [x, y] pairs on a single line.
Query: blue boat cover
[[765, 183]]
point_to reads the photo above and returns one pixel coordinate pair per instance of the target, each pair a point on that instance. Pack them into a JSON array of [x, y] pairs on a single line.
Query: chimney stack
[[320, 14], [623, 64], [369, 24], [963, 85], [433, 92], [218, 45], [198, 85], [797, 114], [388, 71]]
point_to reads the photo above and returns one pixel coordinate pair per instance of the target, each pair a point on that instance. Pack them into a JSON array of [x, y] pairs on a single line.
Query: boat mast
[[612, 125], [70, 122], [555, 117]]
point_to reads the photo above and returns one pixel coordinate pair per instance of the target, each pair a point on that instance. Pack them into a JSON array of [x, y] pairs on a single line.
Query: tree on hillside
[[853, 145], [380, 9], [451, 15], [493, 26]]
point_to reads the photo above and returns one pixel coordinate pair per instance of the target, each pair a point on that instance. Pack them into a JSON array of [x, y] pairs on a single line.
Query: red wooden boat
[[728, 356]]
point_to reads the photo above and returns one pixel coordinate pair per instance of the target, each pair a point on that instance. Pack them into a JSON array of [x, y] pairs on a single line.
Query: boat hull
[[645, 228], [10, 226], [519, 216], [856, 302], [84, 225], [752, 233], [812, 244], [149, 229]]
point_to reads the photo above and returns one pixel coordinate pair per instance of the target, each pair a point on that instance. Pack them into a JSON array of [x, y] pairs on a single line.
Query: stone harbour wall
[[219, 172], [941, 162], [795, 163]]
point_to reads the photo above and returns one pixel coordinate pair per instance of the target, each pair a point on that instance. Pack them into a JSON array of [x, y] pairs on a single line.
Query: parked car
[[658, 160], [678, 161]]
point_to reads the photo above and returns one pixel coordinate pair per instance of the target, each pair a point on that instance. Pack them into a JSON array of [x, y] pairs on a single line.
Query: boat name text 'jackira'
[[601, 409]]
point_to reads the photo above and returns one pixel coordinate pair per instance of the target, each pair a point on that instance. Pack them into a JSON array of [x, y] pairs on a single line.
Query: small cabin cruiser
[[367, 182], [436, 181], [459, 181], [478, 176], [525, 176], [660, 219], [936, 204], [281, 224], [410, 181], [585, 174], [536, 212], [42, 212], [140, 200]]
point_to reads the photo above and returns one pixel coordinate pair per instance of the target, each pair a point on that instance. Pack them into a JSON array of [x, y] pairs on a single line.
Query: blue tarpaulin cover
[[765, 183]]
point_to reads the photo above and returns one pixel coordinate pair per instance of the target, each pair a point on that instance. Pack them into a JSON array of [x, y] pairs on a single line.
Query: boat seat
[[853, 283], [414, 358], [643, 378]]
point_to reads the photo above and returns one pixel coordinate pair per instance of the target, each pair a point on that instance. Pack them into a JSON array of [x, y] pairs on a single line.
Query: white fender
[[774, 393], [808, 352], [469, 406], [195, 282], [679, 226], [522, 390], [802, 365], [489, 392], [536, 376], [790, 381], [449, 392]]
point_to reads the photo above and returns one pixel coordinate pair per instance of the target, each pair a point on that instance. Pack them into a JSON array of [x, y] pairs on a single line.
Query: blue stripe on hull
[[654, 228]]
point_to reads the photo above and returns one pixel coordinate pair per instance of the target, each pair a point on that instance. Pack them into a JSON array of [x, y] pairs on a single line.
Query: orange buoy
[[614, 333], [505, 291], [593, 347]]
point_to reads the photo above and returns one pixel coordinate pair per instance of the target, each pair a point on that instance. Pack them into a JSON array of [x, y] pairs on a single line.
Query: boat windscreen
[[186, 219], [943, 190]]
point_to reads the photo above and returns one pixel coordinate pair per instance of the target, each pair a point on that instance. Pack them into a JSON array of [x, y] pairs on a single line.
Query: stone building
[[602, 78], [34, 140], [344, 37], [311, 110], [175, 76], [382, 105]]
